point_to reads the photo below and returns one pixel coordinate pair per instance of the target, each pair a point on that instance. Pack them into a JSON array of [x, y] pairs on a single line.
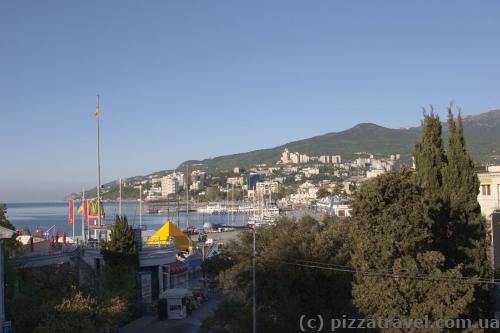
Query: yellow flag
[[97, 111]]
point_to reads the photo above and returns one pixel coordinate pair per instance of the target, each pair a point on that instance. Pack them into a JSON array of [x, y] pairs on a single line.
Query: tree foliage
[[393, 235], [426, 222], [285, 290], [11, 245], [121, 263]]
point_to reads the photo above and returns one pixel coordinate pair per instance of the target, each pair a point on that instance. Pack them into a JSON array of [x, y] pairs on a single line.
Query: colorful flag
[[80, 208], [71, 214], [86, 210]]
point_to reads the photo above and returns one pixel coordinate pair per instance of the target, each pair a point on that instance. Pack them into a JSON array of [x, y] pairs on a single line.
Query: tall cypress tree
[[461, 188], [429, 155], [430, 160], [392, 232]]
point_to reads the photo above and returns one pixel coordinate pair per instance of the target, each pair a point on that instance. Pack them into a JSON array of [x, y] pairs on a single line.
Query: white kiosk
[[176, 302]]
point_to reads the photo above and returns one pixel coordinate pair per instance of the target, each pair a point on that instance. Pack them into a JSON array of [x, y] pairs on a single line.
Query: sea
[[48, 214]]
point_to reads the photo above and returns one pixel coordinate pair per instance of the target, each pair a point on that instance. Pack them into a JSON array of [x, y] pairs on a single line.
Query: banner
[[92, 211], [71, 215]]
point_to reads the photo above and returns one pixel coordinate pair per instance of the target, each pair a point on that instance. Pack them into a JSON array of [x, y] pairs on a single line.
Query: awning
[[177, 267]]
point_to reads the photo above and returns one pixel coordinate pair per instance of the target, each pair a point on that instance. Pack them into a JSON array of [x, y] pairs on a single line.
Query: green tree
[[430, 161], [285, 289], [393, 235], [37, 292], [461, 188], [322, 193], [468, 226], [429, 155], [121, 263], [121, 239], [213, 194], [78, 313]]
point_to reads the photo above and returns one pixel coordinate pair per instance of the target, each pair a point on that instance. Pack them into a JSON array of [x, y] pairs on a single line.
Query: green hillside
[[482, 133]]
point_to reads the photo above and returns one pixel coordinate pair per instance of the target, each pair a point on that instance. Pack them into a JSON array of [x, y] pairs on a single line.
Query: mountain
[[482, 133]]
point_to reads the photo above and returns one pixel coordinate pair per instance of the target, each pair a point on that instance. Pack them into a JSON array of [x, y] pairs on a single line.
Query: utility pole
[[254, 298]]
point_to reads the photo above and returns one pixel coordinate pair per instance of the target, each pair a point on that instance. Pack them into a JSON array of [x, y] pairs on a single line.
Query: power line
[[425, 277]]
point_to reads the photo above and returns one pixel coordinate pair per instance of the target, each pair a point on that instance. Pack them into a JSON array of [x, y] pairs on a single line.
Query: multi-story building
[[309, 172], [336, 159], [266, 188], [324, 159], [181, 181], [252, 180], [285, 157], [488, 197], [235, 181], [295, 158], [374, 173], [169, 185], [198, 180]]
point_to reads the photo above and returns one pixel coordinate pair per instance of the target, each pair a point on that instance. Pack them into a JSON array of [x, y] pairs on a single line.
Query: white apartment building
[[235, 180], [196, 186], [266, 188], [308, 172], [336, 159], [374, 173], [305, 194], [489, 190], [304, 158], [169, 185], [285, 157], [324, 159], [198, 180], [180, 179], [295, 158]]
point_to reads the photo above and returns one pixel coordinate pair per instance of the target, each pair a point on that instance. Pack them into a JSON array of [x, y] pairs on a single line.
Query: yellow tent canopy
[[161, 236]]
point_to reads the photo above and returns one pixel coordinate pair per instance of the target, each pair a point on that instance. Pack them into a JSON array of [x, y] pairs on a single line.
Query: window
[[486, 189]]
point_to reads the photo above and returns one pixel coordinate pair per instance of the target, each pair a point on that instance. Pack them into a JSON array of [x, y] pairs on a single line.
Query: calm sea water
[[45, 215]]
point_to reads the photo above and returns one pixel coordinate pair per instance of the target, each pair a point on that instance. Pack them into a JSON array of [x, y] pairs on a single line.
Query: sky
[[185, 80]]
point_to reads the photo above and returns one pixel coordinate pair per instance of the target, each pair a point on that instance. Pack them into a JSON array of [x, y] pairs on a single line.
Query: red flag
[[86, 210], [71, 215]]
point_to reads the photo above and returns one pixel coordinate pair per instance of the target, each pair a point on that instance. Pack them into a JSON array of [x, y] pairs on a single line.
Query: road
[[191, 324]]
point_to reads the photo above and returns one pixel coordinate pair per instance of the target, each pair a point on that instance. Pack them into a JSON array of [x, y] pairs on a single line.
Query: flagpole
[[97, 112], [120, 202], [83, 214], [140, 206], [73, 221]]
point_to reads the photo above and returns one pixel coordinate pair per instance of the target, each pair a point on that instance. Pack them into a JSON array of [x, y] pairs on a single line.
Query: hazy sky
[[195, 79]]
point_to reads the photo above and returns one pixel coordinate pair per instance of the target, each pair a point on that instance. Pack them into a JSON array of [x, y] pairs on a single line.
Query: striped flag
[[71, 215]]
